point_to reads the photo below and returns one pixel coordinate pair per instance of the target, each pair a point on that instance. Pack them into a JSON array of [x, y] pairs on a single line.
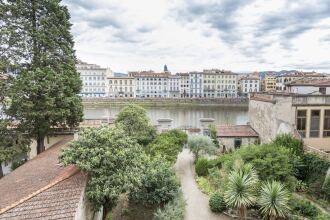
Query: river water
[[181, 116]]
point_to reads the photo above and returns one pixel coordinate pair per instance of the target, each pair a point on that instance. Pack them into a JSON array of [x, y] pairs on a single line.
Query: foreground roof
[[236, 131], [42, 188]]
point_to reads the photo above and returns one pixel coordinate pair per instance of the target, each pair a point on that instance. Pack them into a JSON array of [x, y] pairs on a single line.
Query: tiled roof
[[32, 189], [309, 82], [236, 131]]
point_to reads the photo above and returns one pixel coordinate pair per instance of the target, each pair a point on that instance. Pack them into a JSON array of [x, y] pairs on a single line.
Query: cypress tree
[[39, 42]]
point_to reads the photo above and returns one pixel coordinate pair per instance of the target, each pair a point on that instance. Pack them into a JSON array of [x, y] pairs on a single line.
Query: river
[[181, 116]]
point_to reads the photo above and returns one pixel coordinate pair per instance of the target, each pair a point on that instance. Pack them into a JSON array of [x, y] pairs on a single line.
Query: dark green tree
[[38, 40], [136, 124], [213, 135]]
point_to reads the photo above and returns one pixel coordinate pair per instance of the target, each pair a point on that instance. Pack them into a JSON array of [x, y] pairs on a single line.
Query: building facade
[[250, 84], [307, 116], [282, 80], [319, 86], [149, 84], [270, 83], [184, 84], [195, 85], [174, 83], [121, 87], [94, 79]]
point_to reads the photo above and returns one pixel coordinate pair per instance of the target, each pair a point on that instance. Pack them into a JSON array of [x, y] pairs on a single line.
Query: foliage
[[288, 141], [37, 41], [303, 207], [168, 144], [16, 163], [315, 167], [273, 200], [240, 189], [201, 167], [158, 183], [213, 135], [217, 203], [200, 144], [112, 160], [204, 185], [173, 210], [326, 187], [135, 123]]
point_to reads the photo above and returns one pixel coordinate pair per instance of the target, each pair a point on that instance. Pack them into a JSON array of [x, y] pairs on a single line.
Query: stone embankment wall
[[240, 102]]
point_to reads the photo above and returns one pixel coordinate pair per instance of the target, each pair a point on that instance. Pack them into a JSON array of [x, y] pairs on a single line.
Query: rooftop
[[42, 188], [310, 82], [236, 131]]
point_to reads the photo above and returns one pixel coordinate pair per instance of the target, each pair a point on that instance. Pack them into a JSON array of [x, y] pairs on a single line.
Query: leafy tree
[[112, 160], [213, 135], [200, 144], [158, 183], [168, 144], [38, 42], [135, 122], [240, 189], [273, 200]]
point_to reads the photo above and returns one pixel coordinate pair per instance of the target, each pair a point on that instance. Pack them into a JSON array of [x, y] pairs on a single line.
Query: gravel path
[[197, 207]]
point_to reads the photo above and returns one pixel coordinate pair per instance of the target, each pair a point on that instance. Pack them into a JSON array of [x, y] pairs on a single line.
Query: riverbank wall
[[230, 102]]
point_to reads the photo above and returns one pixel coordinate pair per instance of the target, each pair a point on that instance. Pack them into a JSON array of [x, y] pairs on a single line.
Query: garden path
[[197, 207]]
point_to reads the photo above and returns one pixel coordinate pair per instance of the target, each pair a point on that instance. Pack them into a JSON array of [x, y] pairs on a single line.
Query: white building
[[184, 84], [122, 86], [250, 84], [282, 80], [174, 83], [196, 85], [149, 84], [303, 86], [94, 79]]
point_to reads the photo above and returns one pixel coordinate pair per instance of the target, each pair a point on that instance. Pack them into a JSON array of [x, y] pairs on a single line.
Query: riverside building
[[93, 79], [250, 84], [121, 86]]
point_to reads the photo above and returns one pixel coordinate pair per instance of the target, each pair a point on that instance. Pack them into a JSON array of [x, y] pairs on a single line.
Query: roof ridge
[[65, 174]]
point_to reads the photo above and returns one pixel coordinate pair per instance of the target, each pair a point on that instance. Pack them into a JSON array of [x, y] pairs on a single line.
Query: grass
[[204, 185]]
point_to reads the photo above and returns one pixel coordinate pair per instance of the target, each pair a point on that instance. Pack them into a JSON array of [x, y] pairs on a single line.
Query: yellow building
[[270, 83]]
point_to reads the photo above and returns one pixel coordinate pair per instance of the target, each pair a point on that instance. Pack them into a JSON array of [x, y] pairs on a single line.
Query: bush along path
[[197, 207]]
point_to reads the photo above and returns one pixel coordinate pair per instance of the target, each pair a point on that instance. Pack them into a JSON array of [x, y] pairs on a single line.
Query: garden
[[271, 181], [130, 168]]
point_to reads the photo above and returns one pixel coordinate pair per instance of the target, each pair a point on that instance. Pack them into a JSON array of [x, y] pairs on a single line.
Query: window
[[315, 123], [322, 90], [301, 122], [326, 131]]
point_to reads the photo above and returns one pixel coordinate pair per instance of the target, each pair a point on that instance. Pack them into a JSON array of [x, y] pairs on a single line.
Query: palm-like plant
[[273, 200], [240, 191]]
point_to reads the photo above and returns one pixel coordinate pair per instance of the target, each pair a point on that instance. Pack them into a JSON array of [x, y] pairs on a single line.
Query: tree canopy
[[200, 144]]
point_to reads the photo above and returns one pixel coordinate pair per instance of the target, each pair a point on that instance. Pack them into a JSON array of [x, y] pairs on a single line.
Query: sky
[[188, 35]]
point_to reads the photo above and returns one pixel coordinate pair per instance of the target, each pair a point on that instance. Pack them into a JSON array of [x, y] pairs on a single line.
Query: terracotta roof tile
[[236, 131]]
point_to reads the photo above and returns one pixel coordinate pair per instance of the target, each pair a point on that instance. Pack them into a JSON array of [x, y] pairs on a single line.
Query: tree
[[213, 135], [112, 160], [168, 144], [240, 189], [200, 144], [273, 200], [135, 122], [158, 183], [40, 100], [38, 42], [288, 141]]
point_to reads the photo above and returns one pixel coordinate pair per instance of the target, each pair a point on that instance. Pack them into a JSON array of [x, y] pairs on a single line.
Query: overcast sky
[[237, 35]]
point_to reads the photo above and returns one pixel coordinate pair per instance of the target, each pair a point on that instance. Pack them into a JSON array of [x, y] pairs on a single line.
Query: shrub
[[215, 163], [158, 184], [201, 167], [326, 187], [204, 185], [173, 210], [217, 203], [304, 208], [288, 141], [16, 163]]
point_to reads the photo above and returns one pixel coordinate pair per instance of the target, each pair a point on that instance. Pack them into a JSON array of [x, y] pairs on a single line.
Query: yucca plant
[[273, 200], [240, 190]]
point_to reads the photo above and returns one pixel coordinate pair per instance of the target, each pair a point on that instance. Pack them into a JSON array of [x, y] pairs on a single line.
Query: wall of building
[[307, 89], [229, 143]]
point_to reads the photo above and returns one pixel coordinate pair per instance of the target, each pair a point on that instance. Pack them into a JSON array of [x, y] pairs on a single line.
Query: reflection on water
[[182, 116]]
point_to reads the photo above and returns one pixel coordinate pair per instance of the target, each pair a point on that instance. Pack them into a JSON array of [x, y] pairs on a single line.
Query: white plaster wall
[[230, 142]]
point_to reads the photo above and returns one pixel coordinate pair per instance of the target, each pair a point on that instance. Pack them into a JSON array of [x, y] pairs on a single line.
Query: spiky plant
[[240, 190], [273, 200]]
